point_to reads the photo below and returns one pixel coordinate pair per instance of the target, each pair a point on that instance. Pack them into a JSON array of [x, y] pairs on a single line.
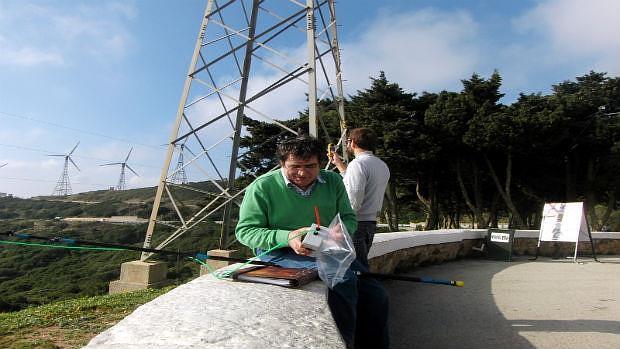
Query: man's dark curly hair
[[302, 147]]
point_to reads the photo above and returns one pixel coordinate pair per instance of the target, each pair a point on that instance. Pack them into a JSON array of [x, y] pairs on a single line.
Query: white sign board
[[564, 222], [500, 237]]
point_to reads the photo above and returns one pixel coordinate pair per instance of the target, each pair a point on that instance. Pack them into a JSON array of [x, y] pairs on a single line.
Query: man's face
[[349, 147], [301, 172]]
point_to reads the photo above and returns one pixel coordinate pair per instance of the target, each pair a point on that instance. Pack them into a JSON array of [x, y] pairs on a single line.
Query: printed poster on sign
[[564, 222]]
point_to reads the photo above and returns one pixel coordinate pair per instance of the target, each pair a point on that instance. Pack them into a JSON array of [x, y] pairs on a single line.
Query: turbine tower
[[179, 176], [63, 187], [121, 180], [253, 60]]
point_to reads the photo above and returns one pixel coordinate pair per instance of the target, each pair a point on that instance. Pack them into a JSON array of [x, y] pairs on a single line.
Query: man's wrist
[[282, 237]]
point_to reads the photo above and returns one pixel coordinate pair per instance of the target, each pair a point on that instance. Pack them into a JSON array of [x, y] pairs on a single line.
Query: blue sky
[[110, 73]]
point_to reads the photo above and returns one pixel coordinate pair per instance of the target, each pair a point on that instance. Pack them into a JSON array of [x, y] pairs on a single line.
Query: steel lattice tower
[[251, 58], [179, 176], [122, 184], [63, 186]]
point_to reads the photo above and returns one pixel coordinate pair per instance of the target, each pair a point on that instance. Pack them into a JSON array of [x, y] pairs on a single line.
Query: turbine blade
[[134, 172], [72, 150], [112, 163], [76, 166], [4, 164], [127, 158]]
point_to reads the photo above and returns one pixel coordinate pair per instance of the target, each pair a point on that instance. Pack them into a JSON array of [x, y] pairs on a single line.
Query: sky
[[109, 74]]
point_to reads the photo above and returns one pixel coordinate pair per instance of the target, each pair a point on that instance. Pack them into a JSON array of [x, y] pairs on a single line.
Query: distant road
[[113, 219], [65, 200]]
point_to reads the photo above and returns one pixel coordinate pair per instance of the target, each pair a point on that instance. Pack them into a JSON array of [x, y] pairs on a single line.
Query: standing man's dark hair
[[365, 138]]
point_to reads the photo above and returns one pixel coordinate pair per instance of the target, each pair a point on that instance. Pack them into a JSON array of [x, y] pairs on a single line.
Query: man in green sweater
[[278, 208]]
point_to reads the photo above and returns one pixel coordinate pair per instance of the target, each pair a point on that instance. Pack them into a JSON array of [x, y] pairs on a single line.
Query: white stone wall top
[[212, 313], [390, 242]]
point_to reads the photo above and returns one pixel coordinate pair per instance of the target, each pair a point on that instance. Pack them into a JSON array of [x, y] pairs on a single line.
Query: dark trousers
[[362, 240], [359, 305], [360, 308]]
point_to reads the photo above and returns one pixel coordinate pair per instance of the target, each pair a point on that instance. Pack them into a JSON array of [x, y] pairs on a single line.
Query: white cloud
[[28, 137], [422, 50], [35, 35], [576, 29], [26, 56]]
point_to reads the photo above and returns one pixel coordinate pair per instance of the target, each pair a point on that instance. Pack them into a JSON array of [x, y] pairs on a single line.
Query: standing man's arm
[[347, 215], [337, 161]]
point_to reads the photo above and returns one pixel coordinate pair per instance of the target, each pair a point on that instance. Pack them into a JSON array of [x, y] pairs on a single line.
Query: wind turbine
[[121, 180], [63, 187], [179, 176]]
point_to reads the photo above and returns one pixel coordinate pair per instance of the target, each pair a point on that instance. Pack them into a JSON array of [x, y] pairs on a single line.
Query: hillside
[[35, 275], [71, 323]]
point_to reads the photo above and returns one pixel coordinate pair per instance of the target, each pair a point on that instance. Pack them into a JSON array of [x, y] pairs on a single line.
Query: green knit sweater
[[270, 210]]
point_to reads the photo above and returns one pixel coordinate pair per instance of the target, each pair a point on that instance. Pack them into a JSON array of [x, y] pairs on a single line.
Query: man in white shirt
[[365, 178]]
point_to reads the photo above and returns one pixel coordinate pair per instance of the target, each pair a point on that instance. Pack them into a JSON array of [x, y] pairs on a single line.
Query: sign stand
[[499, 244], [565, 222]]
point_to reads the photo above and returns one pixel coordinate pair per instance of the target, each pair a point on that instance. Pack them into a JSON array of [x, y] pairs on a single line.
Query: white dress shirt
[[366, 178]]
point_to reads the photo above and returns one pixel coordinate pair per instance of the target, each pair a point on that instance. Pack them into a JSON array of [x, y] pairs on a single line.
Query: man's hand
[[294, 241], [335, 233], [336, 160]]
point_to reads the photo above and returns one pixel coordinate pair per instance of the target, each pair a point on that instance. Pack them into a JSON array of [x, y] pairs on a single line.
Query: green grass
[[71, 323]]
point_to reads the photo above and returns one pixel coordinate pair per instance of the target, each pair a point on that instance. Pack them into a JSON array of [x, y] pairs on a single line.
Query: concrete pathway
[[520, 304]]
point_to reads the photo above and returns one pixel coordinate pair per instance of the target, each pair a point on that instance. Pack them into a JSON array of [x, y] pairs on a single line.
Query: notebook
[[287, 277]]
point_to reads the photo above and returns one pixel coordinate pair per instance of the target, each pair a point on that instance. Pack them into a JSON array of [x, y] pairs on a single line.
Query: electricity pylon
[[121, 185], [63, 186], [252, 58]]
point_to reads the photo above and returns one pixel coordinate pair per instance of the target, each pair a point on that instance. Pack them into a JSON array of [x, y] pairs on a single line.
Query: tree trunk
[[432, 214], [505, 192], [391, 213], [493, 212], [474, 209], [611, 199], [591, 195], [481, 223]]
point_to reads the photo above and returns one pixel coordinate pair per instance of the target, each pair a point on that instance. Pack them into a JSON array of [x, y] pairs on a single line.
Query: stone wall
[[413, 249]]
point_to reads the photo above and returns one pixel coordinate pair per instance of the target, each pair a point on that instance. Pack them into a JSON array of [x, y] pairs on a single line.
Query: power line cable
[[78, 130], [75, 156], [51, 181]]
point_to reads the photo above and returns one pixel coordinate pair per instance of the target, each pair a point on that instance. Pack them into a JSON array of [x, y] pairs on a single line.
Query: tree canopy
[[465, 154]]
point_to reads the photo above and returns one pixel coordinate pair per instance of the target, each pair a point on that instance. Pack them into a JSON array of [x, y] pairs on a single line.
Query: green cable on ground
[[62, 246], [219, 275]]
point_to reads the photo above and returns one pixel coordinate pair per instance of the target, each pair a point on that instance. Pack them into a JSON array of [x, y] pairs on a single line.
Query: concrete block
[[214, 265], [139, 275], [120, 286]]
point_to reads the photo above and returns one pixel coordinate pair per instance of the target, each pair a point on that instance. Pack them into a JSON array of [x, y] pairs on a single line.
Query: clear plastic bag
[[335, 254]]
